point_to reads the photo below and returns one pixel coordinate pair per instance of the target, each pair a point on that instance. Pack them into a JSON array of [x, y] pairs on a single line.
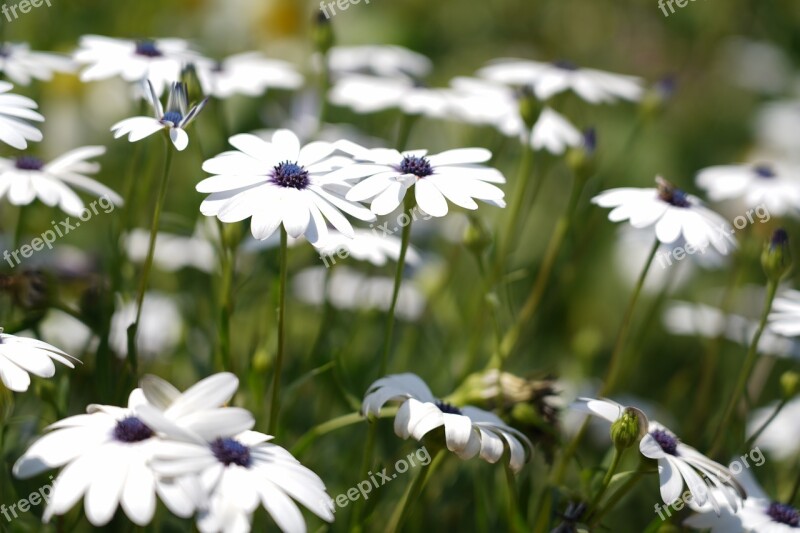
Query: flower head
[[21, 356], [21, 65], [250, 74], [15, 111]]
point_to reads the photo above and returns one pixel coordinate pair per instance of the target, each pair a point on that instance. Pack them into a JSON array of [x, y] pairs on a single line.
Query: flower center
[[147, 48], [672, 195], [131, 429], [667, 441], [565, 65], [288, 174], [230, 451], [447, 408], [784, 514], [764, 171], [172, 116], [28, 162], [418, 166]]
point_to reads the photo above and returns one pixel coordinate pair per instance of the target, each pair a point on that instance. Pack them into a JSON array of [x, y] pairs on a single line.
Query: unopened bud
[[628, 428], [529, 106], [322, 33], [656, 99], [776, 258], [581, 158], [790, 383]]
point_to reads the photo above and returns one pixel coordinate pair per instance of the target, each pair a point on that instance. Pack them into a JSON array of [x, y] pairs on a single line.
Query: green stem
[[413, 493], [513, 504], [795, 491], [332, 425], [276, 380], [19, 226], [747, 368], [749, 444], [517, 200], [607, 479], [225, 299], [148, 263], [618, 495]]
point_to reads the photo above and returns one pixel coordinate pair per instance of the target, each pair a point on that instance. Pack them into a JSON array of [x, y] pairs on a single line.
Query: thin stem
[[413, 493], [332, 425], [225, 299], [607, 479], [767, 422], [618, 495], [517, 199], [19, 226], [795, 491], [276, 379], [148, 262], [747, 368], [513, 505]]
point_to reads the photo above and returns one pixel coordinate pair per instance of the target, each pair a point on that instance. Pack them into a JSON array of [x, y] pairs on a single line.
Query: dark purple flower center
[[779, 238], [672, 195], [565, 65], [147, 48], [230, 451], [28, 162], [131, 429], [784, 514], [288, 174], [764, 171], [667, 441], [590, 140], [172, 116], [418, 166], [447, 408]]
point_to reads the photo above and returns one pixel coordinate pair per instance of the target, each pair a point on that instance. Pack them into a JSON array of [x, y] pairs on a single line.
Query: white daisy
[[249, 73], [370, 94], [20, 356], [674, 214], [26, 178], [365, 246], [14, 111], [157, 60], [457, 175], [776, 186], [468, 431], [381, 60], [554, 133], [279, 182], [550, 79], [21, 65], [106, 453], [236, 469], [609, 410], [175, 120], [785, 316]]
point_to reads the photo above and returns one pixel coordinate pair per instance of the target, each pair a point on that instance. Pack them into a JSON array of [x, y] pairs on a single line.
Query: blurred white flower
[[350, 290], [778, 128], [381, 60], [369, 94], [25, 178], [366, 246], [21, 65], [175, 120], [468, 431], [554, 133], [758, 66], [785, 316], [160, 328], [386, 175], [14, 111], [550, 79], [279, 182], [672, 212], [782, 437], [173, 252], [249, 73], [21, 356], [157, 60]]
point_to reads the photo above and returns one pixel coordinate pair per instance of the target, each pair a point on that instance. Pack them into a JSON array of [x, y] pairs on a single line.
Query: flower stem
[[19, 226], [148, 262], [514, 522], [413, 493], [276, 379], [517, 199], [607, 479], [795, 491], [332, 425], [225, 299], [618, 495], [747, 368], [749, 444]]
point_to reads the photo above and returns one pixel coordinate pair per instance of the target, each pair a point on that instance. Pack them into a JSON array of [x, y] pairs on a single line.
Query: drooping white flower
[[15, 110], [776, 186], [381, 60], [672, 213], [157, 60], [550, 79], [456, 175], [468, 431], [21, 356], [175, 120], [279, 182], [26, 178], [249, 73], [21, 65], [370, 94]]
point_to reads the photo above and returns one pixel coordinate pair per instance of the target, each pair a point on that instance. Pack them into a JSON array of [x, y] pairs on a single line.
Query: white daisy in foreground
[[106, 453], [456, 175], [21, 65], [175, 120], [468, 431], [370, 94], [785, 316], [26, 178], [775, 186], [674, 214], [14, 111], [279, 182], [157, 60], [20, 356], [236, 469], [381, 60], [250, 74], [550, 79]]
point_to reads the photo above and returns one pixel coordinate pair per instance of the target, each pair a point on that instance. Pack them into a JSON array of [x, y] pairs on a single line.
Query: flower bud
[[776, 258], [790, 384], [194, 90], [656, 98], [628, 428], [529, 106], [581, 158], [322, 34]]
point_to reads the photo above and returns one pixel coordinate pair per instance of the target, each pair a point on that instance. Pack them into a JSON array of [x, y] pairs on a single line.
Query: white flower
[[21, 65], [782, 437], [249, 73], [174, 252], [785, 316], [26, 178], [105, 453], [279, 182], [14, 111], [369, 94], [157, 60], [457, 175], [554, 133], [776, 186], [674, 214], [778, 128], [160, 328], [609, 410], [468, 431], [550, 79], [21, 355], [381, 60], [175, 120], [365, 246]]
